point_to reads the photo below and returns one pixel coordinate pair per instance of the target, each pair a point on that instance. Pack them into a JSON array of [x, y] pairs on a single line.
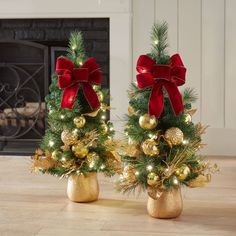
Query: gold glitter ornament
[[92, 157], [150, 147], [148, 122], [174, 136], [152, 179], [56, 155], [68, 137], [182, 172], [80, 151], [188, 118], [79, 121]]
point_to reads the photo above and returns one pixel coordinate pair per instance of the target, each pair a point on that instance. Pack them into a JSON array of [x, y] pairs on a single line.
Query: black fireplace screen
[[23, 86], [28, 51]]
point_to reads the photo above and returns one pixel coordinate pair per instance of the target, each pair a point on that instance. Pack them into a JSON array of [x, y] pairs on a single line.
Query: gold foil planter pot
[[83, 188], [168, 205]]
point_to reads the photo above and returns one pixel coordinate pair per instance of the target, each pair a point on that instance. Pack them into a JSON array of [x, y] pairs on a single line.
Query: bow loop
[[69, 78], [158, 76]]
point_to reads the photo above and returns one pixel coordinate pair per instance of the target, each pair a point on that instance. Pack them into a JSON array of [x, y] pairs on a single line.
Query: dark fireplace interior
[[28, 52]]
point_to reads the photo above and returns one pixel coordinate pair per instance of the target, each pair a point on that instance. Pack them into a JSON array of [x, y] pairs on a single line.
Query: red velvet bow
[[158, 76], [70, 77]]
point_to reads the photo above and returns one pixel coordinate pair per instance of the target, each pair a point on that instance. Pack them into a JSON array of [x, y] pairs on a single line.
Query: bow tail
[[68, 97], [91, 96], [156, 101], [175, 97]]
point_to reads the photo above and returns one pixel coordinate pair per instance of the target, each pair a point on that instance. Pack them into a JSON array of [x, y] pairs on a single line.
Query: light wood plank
[[32, 204], [213, 63]]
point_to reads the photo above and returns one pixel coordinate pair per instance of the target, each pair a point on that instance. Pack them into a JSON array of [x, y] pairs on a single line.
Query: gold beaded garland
[[182, 172], [80, 151], [148, 122], [152, 179], [68, 138], [79, 121], [174, 136], [150, 147]]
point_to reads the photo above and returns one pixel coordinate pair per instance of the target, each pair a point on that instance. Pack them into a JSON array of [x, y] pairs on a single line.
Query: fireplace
[[28, 51]]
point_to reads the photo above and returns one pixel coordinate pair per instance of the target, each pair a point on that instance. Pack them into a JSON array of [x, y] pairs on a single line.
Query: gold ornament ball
[[152, 179], [104, 128], [182, 172], [100, 96], [80, 151], [174, 136], [188, 118], [148, 122], [68, 138], [56, 155], [79, 121], [92, 157], [150, 147]]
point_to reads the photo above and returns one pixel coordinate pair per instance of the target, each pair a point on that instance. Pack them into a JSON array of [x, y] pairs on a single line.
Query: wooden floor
[[32, 204]]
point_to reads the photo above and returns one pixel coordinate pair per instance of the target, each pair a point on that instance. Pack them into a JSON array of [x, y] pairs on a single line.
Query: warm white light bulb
[[185, 141], [156, 41], [51, 143], [62, 117], [175, 181], [103, 117], [137, 173], [81, 63], [102, 167], [111, 128], [149, 168]]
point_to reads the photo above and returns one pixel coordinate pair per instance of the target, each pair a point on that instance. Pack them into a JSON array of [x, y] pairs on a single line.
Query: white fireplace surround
[[119, 13]]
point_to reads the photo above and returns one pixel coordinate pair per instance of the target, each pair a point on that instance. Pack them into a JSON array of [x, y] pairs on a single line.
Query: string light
[[62, 117], [51, 143], [78, 172], [149, 167], [103, 117], [137, 173], [175, 181], [91, 165], [73, 47], [102, 167], [81, 63], [63, 159], [185, 141], [111, 128], [156, 41]]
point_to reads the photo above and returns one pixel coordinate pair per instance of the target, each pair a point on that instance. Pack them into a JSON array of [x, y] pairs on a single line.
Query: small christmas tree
[[78, 139], [162, 139]]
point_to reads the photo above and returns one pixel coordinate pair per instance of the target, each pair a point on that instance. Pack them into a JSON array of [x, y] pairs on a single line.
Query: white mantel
[[119, 13]]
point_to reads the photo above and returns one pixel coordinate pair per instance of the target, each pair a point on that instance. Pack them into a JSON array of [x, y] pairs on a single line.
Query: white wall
[[204, 33]]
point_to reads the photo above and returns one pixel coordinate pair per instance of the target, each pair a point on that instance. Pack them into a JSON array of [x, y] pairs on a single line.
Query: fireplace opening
[[28, 52]]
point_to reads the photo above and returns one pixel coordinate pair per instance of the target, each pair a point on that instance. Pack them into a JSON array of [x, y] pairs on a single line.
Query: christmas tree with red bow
[[163, 142], [78, 139]]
